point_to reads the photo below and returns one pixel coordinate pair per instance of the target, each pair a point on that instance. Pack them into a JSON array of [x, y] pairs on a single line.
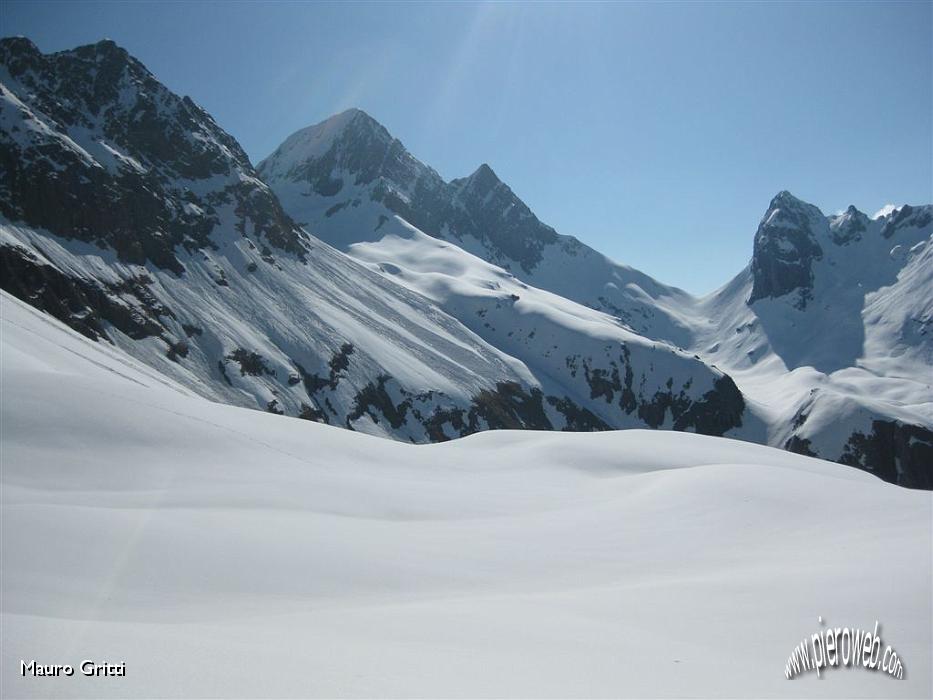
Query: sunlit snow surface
[[220, 551]]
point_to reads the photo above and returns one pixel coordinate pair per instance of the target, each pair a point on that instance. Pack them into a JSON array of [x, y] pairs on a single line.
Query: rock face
[[131, 216], [895, 452], [95, 149], [785, 249], [845, 303]]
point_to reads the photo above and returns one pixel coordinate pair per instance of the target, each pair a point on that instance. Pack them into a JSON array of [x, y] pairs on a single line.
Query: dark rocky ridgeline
[[512, 406], [83, 304], [619, 382], [94, 148], [908, 217], [898, 452], [785, 248], [849, 227], [480, 205]]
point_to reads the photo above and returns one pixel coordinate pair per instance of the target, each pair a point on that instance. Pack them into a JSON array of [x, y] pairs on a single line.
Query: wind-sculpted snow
[[222, 552]]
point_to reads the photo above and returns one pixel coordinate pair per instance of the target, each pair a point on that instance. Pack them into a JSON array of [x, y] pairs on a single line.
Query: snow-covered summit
[[885, 211], [479, 213]]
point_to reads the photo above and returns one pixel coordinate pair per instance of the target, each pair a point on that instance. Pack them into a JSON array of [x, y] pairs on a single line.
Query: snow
[[311, 142], [220, 551], [862, 343], [885, 211], [290, 313]]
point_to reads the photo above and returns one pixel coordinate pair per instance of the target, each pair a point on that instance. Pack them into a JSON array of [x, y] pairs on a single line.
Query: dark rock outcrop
[[128, 181], [895, 452], [785, 248]]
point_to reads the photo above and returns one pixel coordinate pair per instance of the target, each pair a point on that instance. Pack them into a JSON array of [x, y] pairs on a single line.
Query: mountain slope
[[157, 235], [146, 526], [250, 309], [829, 326], [324, 172], [825, 332]]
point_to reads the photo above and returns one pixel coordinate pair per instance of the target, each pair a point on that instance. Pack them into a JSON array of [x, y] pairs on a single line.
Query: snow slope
[[324, 173], [827, 332], [225, 552]]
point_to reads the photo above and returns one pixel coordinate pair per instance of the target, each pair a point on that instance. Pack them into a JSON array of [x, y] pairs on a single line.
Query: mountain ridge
[[774, 324], [342, 280], [302, 330]]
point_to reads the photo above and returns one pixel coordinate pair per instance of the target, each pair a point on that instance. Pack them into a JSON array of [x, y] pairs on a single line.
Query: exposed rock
[[785, 248], [899, 453]]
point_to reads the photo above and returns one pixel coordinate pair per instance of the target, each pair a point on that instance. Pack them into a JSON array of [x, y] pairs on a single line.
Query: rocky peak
[[787, 211], [483, 180], [15, 51], [349, 147], [784, 251], [95, 148], [849, 226], [907, 216]]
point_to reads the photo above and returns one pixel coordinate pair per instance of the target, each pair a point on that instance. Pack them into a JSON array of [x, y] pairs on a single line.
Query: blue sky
[[657, 133]]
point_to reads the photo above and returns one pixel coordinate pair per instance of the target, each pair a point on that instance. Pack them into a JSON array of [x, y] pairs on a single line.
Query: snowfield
[[220, 551]]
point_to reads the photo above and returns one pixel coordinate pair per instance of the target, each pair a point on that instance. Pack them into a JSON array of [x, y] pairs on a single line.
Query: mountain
[[830, 325], [130, 215], [146, 526], [344, 281], [826, 332], [323, 173]]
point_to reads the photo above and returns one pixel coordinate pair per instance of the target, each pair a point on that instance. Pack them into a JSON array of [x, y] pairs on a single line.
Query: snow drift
[[220, 551]]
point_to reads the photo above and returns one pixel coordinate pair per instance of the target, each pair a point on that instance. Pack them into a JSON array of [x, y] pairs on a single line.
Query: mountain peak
[[354, 128], [104, 51], [787, 211], [129, 147], [347, 118], [483, 179], [18, 44], [848, 226], [484, 171], [785, 248], [784, 199], [886, 210], [18, 52]]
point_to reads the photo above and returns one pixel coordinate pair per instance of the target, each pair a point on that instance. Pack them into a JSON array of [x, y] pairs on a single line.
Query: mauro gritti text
[[87, 667]]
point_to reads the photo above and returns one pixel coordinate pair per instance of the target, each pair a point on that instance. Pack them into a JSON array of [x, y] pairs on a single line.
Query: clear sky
[[657, 133]]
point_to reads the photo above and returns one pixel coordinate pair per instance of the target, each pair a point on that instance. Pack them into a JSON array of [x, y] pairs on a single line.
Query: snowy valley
[[332, 426], [343, 281], [261, 555]]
